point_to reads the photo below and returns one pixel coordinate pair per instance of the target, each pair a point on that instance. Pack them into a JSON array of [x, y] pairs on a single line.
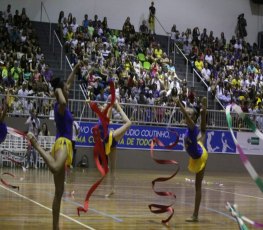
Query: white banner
[[250, 143]]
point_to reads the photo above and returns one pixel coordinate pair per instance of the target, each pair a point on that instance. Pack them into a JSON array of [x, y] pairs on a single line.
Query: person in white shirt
[[22, 94], [75, 133], [74, 25], [206, 74], [33, 123]]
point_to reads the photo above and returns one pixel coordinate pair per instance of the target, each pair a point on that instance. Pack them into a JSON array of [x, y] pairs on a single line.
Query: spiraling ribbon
[[10, 157], [8, 184], [17, 133], [99, 150], [252, 172], [158, 208]]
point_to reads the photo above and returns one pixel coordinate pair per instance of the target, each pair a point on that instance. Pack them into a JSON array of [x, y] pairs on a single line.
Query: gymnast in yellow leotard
[[194, 145]]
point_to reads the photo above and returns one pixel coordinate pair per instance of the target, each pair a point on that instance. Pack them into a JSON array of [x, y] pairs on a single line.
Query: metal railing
[[43, 7], [61, 47], [176, 47], [201, 79], [138, 113], [168, 36]]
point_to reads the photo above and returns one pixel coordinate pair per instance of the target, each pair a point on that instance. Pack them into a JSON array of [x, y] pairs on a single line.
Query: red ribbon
[[99, 150], [6, 183], [158, 208]]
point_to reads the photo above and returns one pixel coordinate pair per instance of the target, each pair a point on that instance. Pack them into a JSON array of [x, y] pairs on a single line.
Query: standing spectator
[[60, 22], [196, 34], [75, 133], [33, 123], [241, 31], [174, 33], [85, 22], [7, 13], [151, 20]]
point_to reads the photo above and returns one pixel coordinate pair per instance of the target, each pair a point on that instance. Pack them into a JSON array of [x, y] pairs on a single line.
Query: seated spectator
[[47, 73], [101, 96], [144, 28], [4, 70], [238, 45], [174, 33], [209, 59], [158, 52], [199, 64], [120, 40], [9, 82], [74, 25], [44, 130], [22, 93], [206, 74], [187, 48], [90, 29], [225, 98], [16, 71]]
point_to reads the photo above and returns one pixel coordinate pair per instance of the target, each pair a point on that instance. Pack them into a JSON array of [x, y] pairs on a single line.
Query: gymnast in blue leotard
[[110, 142], [194, 146], [3, 128]]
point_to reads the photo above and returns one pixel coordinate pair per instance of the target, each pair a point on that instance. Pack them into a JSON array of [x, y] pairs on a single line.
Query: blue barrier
[[139, 137]]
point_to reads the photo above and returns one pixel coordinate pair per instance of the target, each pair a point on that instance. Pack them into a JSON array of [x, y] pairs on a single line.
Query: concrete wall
[[217, 15], [141, 159]]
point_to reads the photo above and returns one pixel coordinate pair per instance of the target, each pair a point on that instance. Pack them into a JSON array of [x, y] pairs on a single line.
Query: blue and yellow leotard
[[64, 125], [196, 150], [3, 131], [109, 141]]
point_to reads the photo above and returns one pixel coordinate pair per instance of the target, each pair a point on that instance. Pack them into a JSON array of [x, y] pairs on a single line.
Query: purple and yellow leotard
[[196, 150], [3, 132], [64, 124], [108, 139]]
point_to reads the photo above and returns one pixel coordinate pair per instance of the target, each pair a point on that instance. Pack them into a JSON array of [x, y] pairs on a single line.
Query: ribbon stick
[[252, 172], [240, 218], [158, 208]]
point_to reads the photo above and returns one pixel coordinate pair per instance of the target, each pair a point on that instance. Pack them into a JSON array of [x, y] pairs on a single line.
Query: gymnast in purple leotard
[[3, 128]]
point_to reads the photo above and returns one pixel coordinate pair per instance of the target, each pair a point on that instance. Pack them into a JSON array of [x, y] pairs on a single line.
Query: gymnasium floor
[[30, 206]]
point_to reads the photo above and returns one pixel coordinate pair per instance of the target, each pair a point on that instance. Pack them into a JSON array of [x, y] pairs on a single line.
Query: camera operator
[[33, 123]]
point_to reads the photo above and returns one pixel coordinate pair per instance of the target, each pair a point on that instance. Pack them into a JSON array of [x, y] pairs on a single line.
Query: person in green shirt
[[16, 71]]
